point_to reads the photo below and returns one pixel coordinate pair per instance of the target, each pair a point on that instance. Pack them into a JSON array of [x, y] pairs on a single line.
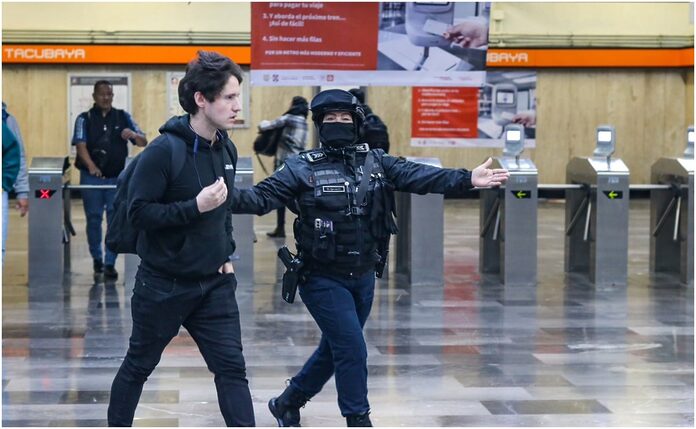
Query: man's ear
[[199, 98]]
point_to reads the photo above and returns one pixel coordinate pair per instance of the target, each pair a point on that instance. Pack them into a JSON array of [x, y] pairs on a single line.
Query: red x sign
[[44, 194]]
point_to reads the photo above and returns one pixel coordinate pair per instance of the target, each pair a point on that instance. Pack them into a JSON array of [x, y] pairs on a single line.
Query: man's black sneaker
[[98, 266], [110, 272]]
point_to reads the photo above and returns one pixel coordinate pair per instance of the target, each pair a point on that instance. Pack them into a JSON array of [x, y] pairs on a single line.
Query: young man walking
[[185, 277]]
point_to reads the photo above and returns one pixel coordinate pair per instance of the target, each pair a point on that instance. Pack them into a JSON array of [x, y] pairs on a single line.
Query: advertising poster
[[80, 89], [443, 113], [448, 119], [389, 43]]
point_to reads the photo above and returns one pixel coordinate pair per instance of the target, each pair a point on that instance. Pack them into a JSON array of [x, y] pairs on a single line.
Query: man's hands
[[212, 197], [23, 206], [128, 134], [94, 170], [226, 268], [484, 177]]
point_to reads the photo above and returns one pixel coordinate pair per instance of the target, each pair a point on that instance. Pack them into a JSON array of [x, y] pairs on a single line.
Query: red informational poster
[[444, 113], [314, 35]]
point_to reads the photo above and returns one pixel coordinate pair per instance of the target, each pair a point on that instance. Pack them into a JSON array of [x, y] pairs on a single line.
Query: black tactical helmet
[[334, 100]]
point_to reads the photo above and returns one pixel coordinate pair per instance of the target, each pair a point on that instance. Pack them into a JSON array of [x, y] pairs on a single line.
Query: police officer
[[345, 194]]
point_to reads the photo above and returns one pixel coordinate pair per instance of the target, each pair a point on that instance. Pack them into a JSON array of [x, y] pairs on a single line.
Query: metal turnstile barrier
[[420, 241], [47, 228], [243, 226], [508, 217], [672, 217], [596, 239], [508, 225]]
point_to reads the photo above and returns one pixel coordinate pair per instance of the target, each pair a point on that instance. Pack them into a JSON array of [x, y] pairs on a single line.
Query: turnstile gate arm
[[675, 235], [676, 199], [489, 219], [588, 216], [576, 216]]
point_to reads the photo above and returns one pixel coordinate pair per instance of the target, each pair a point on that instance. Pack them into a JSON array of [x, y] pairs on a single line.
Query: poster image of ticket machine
[[508, 217], [422, 15], [504, 103], [596, 218], [672, 214]]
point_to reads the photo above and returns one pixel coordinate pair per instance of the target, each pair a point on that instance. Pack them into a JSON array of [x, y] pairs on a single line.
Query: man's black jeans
[[207, 308]]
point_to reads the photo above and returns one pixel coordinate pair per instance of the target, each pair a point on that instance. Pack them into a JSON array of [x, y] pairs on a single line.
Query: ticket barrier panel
[[672, 216], [243, 226], [596, 239], [48, 232], [420, 241], [508, 224]]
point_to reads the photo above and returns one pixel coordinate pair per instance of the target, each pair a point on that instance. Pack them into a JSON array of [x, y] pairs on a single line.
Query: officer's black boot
[[359, 420], [286, 407]]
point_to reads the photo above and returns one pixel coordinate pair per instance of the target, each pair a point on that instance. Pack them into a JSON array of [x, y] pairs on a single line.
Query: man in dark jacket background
[[101, 138], [185, 277]]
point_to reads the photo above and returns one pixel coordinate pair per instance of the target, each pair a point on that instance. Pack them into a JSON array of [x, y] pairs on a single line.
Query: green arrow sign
[[614, 195], [522, 194]]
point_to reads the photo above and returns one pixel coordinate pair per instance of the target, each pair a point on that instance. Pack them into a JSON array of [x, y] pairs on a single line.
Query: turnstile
[[243, 226], [508, 224], [672, 217], [420, 241], [47, 229], [596, 239]]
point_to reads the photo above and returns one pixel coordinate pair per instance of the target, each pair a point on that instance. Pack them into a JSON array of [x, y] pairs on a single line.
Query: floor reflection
[[472, 352]]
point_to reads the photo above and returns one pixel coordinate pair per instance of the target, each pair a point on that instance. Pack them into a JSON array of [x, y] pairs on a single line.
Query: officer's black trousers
[[340, 306], [207, 308]]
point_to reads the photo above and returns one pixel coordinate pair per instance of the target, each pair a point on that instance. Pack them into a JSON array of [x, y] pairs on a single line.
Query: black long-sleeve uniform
[[296, 179]]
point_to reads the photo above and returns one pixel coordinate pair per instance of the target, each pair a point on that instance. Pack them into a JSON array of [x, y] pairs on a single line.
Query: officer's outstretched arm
[[421, 179], [272, 193]]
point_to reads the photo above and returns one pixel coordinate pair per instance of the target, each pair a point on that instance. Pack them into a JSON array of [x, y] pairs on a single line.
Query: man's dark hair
[[98, 83], [208, 74]]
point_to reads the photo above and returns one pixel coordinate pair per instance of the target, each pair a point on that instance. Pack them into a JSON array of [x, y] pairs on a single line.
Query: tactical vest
[[104, 143], [335, 232]]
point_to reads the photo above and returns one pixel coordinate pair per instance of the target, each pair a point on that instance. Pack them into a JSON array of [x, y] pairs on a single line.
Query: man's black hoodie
[[177, 240]]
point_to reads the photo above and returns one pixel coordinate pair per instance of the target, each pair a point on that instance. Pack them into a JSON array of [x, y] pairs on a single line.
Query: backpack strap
[[178, 151]]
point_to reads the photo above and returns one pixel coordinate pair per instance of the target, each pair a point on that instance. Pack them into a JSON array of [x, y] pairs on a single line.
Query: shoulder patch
[[362, 147], [315, 156]]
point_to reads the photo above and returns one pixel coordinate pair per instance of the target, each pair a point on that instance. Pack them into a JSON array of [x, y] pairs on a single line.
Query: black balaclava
[[337, 134]]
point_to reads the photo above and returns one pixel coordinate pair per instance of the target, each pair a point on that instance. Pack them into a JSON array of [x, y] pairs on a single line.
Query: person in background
[[21, 186], [292, 141], [10, 170], [101, 138], [374, 131]]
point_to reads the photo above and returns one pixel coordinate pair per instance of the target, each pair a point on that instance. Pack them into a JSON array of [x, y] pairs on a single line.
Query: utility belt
[[299, 268]]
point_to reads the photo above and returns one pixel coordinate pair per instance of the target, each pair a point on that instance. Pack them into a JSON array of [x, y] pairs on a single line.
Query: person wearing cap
[[345, 194], [293, 140]]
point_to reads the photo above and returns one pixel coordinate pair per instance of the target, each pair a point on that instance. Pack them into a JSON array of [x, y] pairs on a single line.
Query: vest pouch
[[324, 245], [332, 197], [381, 219]]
